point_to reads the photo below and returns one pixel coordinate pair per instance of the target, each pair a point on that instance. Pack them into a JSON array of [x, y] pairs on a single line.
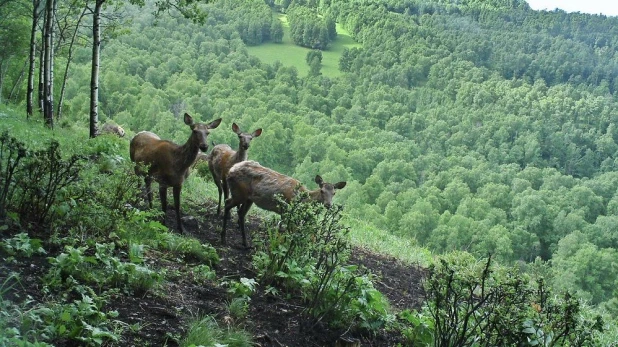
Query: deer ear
[[214, 124], [235, 128], [257, 133], [339, 185], [188, 119], [318, 180]]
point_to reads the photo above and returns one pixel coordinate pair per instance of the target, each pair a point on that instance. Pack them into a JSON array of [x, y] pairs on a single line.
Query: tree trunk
[[66, 70], [32, 59], [1, 79], [48, 110], [94, 77], [41, 68]]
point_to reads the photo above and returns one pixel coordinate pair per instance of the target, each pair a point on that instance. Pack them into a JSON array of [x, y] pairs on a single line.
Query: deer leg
[[220, 193], [176, 190], [226, 191], [163, 197], [242, 212], [148, 181], [229, 204]]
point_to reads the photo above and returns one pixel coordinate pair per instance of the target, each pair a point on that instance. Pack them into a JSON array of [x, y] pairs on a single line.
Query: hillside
[[161, 318], [469, 132]]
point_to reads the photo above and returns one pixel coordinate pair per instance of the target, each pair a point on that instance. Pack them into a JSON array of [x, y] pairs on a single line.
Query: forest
[[474, 126]]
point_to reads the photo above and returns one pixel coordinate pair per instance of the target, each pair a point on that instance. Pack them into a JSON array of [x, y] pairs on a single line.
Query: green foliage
[[238, 308], [94, 206], [255, 21], [22, 245], [12, 152], [81, 321], [308, 29], [101, 269], [45, 176], [243, 288], [309, 258], [474, 303], [416, 327], [206, 332], [481, 126], [189, 249]]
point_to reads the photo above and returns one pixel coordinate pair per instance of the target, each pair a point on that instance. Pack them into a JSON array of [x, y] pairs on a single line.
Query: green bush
[[473, 303], [22, 245], [306, 254], [102, 269]]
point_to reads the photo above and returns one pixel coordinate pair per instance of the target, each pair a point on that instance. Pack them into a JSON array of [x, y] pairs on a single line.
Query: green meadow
[[290, 54]]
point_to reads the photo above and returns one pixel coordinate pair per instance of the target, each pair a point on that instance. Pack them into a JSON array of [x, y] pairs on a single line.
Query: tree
[[48, 65], [314, 59], [36, 13], [13, 42], [276, 31], [189, 9], [583, 268]]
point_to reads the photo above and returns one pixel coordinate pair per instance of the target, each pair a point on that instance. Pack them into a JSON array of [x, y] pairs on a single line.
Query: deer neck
[[187, 154], [314, 195], [240, 155]]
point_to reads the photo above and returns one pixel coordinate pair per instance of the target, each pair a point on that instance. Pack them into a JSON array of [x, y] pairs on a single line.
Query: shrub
[[309, 258], [22, 245], [476, 304], [31, 182]]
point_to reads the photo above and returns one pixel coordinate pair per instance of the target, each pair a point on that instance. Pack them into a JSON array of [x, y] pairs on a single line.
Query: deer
[[168, 163], [223, 157], [249, 183], [111, 128]]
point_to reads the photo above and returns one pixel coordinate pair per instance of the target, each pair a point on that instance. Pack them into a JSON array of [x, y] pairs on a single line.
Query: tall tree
[[94, 75], [48, 91], [188, 8], [36, 14]]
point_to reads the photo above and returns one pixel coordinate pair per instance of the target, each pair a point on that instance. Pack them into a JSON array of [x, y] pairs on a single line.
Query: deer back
[[159, 155], [168, 162], [248, 180]]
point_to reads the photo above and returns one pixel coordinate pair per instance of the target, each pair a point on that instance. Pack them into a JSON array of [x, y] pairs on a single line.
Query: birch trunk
[[94, 77], [32, 59], [48, 111]]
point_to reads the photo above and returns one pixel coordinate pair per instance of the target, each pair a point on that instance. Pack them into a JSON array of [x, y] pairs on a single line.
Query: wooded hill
[[481, 126]]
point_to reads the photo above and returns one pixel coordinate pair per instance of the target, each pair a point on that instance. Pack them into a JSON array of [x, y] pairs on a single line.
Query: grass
[[367, 236], [290, 54], [206, 332]]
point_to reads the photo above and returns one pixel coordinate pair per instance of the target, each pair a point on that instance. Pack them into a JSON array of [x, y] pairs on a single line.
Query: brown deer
[[250, 183], [168, 163], [223, 157], [111, 128]]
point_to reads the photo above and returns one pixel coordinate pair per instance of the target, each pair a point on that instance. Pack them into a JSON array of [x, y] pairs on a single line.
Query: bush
[[476, 304], [309, 258], [31, 182]]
